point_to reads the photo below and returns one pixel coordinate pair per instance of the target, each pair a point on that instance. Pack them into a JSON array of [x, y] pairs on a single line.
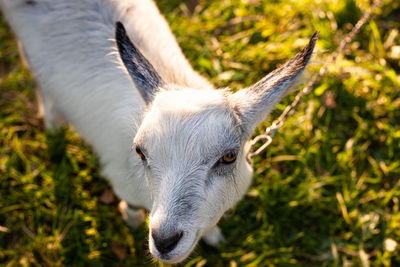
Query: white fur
[[185, 131]]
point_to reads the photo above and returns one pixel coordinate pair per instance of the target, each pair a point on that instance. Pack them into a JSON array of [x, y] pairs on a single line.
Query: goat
[[188, 162]]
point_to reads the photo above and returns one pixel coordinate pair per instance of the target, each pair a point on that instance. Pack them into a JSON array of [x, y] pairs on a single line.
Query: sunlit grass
[[326, 192]]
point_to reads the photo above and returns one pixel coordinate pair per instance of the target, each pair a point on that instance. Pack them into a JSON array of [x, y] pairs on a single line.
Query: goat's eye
[[229, 157], [140, 153]]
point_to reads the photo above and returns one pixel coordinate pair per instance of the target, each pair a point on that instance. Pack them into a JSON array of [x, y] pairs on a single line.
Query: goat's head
[[193, 146]]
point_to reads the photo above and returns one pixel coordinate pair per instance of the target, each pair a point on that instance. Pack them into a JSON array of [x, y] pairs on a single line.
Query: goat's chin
[[182, 250]]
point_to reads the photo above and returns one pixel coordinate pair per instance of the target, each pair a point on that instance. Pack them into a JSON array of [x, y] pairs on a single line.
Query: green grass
[[325, 193]]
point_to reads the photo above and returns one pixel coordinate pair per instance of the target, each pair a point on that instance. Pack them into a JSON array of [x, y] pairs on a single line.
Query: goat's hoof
[[132, 217], [214, 237]]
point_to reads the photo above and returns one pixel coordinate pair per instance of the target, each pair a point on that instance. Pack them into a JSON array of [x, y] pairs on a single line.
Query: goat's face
[[192, 145], [192, 148]]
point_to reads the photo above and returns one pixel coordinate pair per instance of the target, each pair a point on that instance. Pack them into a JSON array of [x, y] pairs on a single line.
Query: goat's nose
[[166, 244]]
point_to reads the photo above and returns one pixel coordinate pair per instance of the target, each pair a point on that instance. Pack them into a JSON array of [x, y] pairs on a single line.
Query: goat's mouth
[[175, 253]]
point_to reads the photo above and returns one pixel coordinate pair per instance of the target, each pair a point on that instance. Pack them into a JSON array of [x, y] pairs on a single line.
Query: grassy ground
[[325, 193]]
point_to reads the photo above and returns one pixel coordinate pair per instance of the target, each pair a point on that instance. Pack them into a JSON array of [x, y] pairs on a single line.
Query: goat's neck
[[152, 35]]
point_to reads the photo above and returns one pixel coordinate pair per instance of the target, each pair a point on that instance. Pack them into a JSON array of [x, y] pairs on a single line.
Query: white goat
[[190, 138]]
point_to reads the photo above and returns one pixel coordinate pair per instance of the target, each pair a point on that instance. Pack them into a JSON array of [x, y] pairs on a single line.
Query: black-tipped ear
[[139, 68], [253, 104]]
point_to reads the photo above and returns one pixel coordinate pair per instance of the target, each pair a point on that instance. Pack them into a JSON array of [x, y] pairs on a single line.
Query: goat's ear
[[139, 68], [253, 104]]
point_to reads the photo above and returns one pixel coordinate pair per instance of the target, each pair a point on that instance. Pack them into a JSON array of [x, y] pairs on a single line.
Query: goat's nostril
[[166, 244]]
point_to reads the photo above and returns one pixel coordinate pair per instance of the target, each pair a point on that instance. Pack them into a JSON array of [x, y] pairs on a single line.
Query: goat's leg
[[53, 119], [133, 216], [214, 237]]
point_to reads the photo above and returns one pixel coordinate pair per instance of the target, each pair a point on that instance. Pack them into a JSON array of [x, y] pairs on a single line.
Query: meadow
[[326, 192]]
